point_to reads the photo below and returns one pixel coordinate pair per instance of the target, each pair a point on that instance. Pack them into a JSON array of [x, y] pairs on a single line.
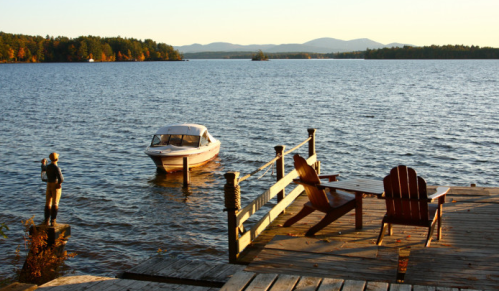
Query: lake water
[[439, 117]]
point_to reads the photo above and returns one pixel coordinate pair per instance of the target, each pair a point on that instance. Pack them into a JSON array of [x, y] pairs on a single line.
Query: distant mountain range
[[321, 45]]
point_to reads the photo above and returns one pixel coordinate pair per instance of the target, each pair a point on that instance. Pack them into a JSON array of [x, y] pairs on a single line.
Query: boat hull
[[175, 162]]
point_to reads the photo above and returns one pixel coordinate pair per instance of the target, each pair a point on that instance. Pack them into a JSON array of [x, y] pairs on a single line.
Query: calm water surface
[[439, 117]]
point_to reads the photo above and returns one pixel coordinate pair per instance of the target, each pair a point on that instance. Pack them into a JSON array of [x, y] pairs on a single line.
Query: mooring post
[[53, 233], [279, 152], [186, 172], [232, 205]]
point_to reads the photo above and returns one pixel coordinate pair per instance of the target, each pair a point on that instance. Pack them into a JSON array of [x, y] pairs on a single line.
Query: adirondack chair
[[335, 204], [407, 203]]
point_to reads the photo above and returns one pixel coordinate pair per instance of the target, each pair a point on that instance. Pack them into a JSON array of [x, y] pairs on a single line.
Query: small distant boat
[[90, 60], [173, 142]]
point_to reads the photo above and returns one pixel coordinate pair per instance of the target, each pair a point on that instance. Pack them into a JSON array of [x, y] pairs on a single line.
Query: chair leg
[[328, 219], [382, 231], [303, 213], [431, 229], [439, 217]]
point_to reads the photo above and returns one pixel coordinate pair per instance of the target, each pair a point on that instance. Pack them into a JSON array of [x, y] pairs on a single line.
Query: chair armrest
[[298, 181], [330, 177], [441, 192]]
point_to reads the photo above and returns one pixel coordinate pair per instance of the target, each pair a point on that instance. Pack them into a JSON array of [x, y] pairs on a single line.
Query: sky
[[185, 22]]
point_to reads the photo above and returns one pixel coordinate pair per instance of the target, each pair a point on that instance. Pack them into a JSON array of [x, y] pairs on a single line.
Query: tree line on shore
[[250, 55], [406, 52], [17, 48], [434, 52]]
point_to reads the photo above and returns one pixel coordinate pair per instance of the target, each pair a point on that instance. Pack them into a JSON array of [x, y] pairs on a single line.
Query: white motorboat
[[173, 142]]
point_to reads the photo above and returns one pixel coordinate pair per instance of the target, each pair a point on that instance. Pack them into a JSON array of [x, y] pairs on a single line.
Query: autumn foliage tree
[[24, 48]]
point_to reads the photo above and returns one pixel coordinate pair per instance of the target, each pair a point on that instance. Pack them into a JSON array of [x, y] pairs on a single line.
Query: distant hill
[[320, 45]]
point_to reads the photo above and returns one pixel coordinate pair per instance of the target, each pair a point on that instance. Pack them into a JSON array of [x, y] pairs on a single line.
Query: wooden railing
[[239, 239]]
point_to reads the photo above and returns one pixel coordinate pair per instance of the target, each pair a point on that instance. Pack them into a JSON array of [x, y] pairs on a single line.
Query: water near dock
[[439, 117]]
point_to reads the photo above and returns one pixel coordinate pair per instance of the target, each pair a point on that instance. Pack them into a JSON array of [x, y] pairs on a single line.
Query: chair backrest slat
[[414, 212], [403, 180]]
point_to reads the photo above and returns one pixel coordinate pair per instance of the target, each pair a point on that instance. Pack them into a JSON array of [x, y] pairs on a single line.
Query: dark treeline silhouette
[[406, 52], [349, 55], [249, 55], [35, 49], [434, 52]]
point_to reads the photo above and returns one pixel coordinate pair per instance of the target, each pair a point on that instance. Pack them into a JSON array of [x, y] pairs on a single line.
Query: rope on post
[[232, 197], [232, 194]]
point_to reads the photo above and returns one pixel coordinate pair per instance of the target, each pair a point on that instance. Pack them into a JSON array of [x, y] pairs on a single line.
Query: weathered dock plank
[[353, 285], [308, 283], [377, 286], [167, 267], [261, 282], [177, 271], [323, 265], [331, 284], [285, 283], [94, 283], [400, 287], [239, 281], [245, 281]]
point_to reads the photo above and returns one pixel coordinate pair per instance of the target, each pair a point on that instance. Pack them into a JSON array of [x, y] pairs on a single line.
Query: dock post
[[186, 172], [311, 148], [279, 152], [232, 206], [311, 142]]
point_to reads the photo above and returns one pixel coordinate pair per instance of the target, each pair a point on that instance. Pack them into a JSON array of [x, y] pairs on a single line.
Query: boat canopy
[[182, 129]]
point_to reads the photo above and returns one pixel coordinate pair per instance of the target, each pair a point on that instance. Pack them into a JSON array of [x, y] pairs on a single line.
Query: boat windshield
[[159, 140]]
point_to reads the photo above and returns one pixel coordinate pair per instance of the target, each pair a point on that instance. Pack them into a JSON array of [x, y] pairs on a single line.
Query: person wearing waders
[[53, 193]]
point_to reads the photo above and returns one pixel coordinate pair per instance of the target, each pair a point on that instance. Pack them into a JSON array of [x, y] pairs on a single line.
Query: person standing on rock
[[54, 190]]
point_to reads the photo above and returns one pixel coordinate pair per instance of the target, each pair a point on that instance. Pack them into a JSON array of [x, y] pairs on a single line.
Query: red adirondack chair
[[408, 203], [334, 204]]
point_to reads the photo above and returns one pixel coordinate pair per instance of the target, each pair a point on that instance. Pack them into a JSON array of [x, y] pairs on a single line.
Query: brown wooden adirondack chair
[[407, 203], [334, 204]]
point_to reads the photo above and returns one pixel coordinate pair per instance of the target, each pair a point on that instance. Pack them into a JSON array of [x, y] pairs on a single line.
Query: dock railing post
[[279, 151], [232, 206], [185, 171], [311, 148], [311, 142]]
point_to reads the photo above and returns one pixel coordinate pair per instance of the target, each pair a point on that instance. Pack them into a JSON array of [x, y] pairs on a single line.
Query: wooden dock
[[467, 257]]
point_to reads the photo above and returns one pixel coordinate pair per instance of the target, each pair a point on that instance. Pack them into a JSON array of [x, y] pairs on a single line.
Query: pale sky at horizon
[[423, 22]]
